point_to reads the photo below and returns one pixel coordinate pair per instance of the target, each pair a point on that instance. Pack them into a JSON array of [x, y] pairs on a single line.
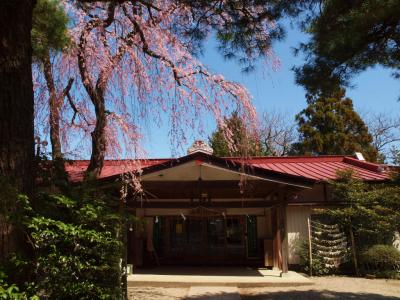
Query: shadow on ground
[[180, 294], [295, 295], [315, 295]]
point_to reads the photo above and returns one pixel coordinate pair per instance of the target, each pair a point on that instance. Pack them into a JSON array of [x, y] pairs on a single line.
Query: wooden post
[[353, 247], [275, 237], [279, 246], [309, 244], [167, 230], [284, 237], [268, 242]]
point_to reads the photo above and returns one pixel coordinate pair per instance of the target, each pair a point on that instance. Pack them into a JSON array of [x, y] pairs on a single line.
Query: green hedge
[[382, 261]]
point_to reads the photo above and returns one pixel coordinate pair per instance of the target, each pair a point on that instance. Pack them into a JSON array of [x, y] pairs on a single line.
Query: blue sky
[[375, 90]]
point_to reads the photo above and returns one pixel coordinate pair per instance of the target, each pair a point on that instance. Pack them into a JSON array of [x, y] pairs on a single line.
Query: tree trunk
[[98, 137], [55, 106], [16, 94], [16, 108], [96, 94]]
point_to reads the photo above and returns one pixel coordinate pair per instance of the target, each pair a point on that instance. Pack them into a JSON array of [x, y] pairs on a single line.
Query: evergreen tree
[[373, 211], [242, 142], [50, 37], [49, 28], [16, 94], [347, 37], [329, 125], [16, 107]]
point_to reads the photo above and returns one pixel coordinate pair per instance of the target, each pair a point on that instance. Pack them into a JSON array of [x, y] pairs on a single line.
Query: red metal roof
[[322, 168], [319, 168], [76, 168]]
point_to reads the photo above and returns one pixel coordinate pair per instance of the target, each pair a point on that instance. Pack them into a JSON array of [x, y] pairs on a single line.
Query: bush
[[382, 260], [75, 245], [76, 249], [11, 291]]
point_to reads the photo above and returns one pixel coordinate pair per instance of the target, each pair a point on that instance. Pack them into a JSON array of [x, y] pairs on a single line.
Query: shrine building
[[201, 209]]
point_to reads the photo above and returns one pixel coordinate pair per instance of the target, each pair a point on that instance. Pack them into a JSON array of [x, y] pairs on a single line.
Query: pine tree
[[347, 37], [16, 93], [49, 37]]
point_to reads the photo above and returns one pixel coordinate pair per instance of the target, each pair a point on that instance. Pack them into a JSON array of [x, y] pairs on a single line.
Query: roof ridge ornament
[[360, 156], [200, 146]]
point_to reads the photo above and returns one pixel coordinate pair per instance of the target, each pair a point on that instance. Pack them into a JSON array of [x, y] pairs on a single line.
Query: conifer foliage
[[330, 125], [347, 37], [373, 211]]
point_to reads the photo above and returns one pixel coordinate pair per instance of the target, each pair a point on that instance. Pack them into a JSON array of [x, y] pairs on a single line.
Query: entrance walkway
[[214, 276]]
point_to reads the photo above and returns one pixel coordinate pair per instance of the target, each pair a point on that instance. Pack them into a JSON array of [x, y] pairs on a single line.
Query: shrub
[[77, 247], [382, 260], [371, 210], [76, 244], [11, 291]]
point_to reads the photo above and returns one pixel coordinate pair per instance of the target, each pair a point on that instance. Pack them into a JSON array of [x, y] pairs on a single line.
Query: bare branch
[[66, 93], [385, 130], [277, 133], [68, 87]]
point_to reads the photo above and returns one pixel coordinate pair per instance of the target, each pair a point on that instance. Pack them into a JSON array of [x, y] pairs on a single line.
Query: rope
[[329, 243]]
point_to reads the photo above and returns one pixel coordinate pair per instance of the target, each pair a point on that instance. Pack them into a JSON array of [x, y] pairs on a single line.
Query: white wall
[[297, 229]]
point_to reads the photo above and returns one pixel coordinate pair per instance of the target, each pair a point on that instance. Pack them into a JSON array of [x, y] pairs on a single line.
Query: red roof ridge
[[115, 162], [375, 167], [291, 159], [290, 156]]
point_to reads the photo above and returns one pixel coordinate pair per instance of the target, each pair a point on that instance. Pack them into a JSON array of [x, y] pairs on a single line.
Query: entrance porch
[[252, 236], [201, 210]]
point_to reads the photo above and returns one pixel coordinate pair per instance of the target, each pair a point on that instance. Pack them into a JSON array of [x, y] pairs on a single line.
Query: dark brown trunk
[[16, 108], [55, 106], [16, 93], [98, 137], [96, 94]]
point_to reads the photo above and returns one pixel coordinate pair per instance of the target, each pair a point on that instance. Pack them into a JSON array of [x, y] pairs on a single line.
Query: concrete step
[[257, 278]]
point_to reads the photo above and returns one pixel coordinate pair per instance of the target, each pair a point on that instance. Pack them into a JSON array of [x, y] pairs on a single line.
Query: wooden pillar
[[268, 241], [167, 231], [276, 235], [284, 238], [279, 230], [138, 242]]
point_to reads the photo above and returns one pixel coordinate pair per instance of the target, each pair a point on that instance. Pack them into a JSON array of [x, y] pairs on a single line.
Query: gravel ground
[[325, 288], [331, 287], [157, 293]]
